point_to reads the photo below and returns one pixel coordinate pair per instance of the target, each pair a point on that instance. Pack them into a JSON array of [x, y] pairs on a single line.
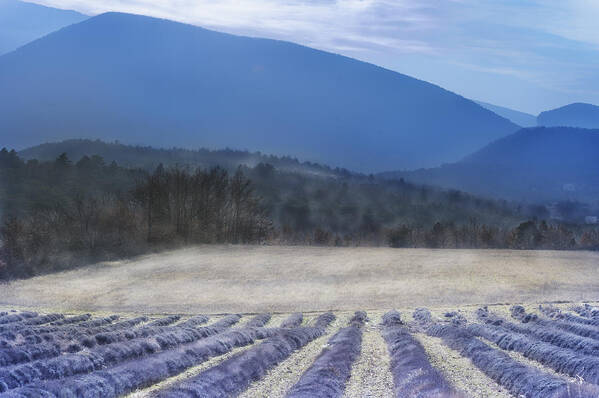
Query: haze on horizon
[[527, 55]]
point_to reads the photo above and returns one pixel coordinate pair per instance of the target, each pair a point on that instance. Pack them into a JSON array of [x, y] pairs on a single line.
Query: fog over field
[[218, 279]]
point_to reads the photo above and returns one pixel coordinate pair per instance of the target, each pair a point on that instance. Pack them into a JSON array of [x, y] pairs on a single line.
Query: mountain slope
[[161, 83], [22, 22], [573, 115], [535, 164], [517, 117]]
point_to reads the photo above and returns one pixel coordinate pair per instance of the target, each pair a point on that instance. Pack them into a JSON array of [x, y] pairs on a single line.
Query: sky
[[529, 55]]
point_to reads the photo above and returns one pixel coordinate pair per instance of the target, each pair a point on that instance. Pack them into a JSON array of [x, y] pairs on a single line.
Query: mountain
[[573, 115], [520, 118], [145, 80], [533, 164], [22, 22]]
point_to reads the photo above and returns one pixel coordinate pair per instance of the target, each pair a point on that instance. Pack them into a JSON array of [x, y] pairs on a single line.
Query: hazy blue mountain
[[534, 164], [573, 115], [22, 22], [520, 118], [156, 82]]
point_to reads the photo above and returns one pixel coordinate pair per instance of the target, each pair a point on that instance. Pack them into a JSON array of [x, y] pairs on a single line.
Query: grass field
[[249, 279]]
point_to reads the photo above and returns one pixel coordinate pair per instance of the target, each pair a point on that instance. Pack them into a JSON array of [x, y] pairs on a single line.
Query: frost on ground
[[371, 377], [252, 279]]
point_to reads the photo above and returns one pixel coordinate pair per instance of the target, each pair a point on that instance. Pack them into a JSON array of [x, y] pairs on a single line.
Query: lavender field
[[498, 351]]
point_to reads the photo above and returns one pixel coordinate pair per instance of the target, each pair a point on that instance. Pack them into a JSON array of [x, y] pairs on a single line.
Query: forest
[[63, 213]]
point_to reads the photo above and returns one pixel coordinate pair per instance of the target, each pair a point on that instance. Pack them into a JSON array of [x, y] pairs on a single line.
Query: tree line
[[59, 214], [90, 211]]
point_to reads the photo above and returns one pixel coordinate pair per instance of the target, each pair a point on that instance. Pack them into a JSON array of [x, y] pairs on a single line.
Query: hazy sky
[[530, 55]]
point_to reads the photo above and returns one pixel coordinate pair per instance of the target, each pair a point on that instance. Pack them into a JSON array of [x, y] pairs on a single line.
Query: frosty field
[[246, 279]]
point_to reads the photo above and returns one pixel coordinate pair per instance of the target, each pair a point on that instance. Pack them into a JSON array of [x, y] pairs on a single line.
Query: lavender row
[[235, 374], [518, 378], [17, 317], [258, 321], [104, 356], [556, 313], [137, 374], [22, 354], [78, 336], [194, 321], [25, 323], [559, 359], [413, 374], [165, 321], [116, 336], [294, 320], [331, 370], [553, 336], [586, 310], [518, 312], [37, 334]]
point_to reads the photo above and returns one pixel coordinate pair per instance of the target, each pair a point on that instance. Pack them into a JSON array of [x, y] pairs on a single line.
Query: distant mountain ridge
[[533, 164], [22, 22], [145, 80], [520, 118], [573, 115]]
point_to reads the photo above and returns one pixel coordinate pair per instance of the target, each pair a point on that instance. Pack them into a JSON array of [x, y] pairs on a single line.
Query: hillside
[[535, 164], [520, 118], [22, 22], [144, 80], [573, 115], [303, 196], [149, 158]]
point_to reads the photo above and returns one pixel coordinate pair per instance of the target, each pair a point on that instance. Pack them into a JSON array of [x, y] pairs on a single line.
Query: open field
[[299, 322], [251, 279]]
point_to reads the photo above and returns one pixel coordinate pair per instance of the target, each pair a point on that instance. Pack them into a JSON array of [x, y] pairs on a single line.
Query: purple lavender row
[[413, 374], [235, 374], [518, 378], [73, 341], [258, 321], [586, 311], [38, 334], [17, 317], [553, 336], [132, 375], [25, 323], [194, 321], [106, 355], [328, 375], [556, 313], [520, 313], [559, 359], [294, 320]]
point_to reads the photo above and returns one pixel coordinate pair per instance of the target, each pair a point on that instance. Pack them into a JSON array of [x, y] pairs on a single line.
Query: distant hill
[[145, 80], [534, 164], [573, 115], [303, 196], [520, 118], [148, 158], [22, 22]]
